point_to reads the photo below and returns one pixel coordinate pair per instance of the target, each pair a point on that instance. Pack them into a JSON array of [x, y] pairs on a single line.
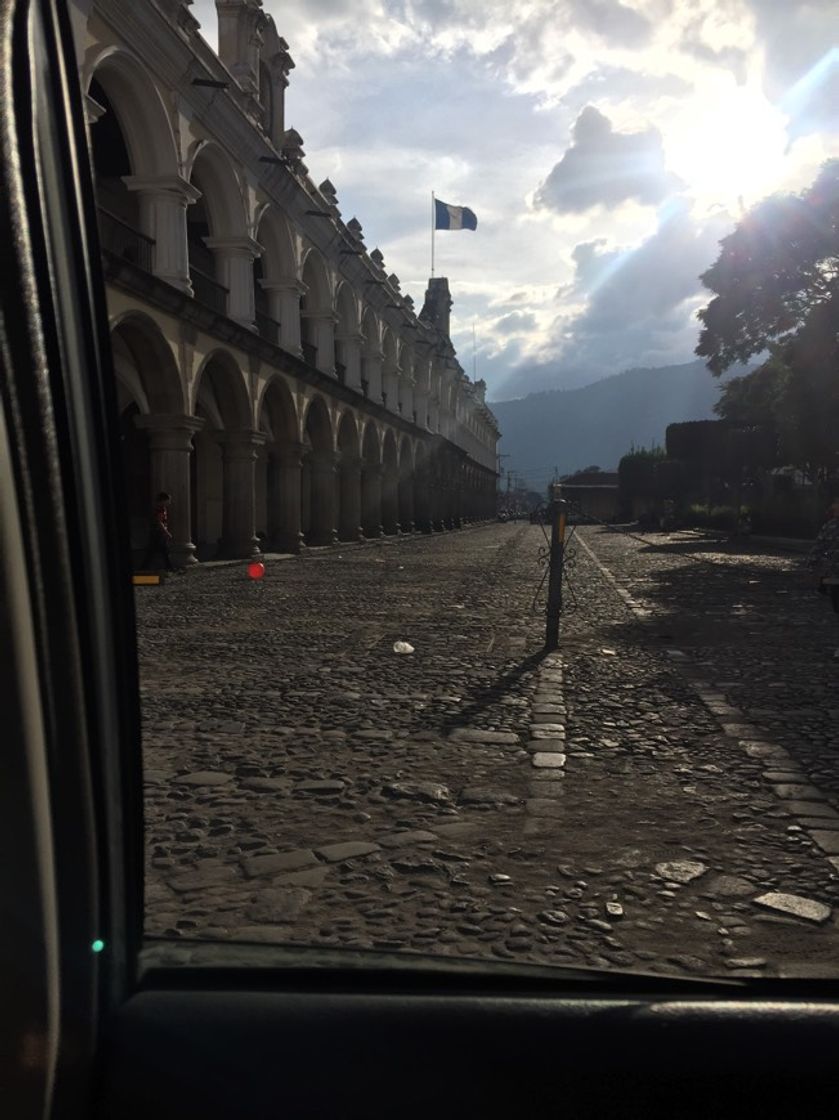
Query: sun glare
[[729, 150]]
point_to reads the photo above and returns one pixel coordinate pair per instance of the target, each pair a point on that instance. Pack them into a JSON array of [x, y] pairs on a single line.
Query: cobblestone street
[[647, 798]]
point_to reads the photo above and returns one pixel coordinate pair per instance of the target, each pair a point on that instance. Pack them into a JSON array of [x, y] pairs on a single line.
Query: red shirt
[[160, 518]]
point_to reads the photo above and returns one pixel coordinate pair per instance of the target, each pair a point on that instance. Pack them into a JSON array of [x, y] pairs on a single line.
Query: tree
[[778, 268]]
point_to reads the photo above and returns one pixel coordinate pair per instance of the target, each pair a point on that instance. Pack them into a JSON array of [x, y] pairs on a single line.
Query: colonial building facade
[[272, 376]]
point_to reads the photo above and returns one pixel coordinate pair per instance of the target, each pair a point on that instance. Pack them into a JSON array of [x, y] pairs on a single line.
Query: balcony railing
[[208, 291], [310, 354], [341, 372], [268, 328], [121, 239]]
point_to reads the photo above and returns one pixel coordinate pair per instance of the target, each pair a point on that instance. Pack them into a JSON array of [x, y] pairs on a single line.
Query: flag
[[453, 217]]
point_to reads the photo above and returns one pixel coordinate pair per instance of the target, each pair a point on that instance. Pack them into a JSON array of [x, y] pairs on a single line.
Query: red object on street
[[256, 569]]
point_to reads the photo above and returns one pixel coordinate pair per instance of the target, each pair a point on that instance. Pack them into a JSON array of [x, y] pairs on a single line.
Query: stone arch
[[316, 326], [423, 512], [406, 485], [349, 478], [137, 338], [389, 369], [371, 481], [222, 401], [346, 333], [390, 484], [277, 480], [217, 229], [140, 111], [148, 383], [371, 376], [278, 258], [318, 476]]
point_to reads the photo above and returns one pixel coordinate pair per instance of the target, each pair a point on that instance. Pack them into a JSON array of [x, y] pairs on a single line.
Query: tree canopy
[[774, 272]]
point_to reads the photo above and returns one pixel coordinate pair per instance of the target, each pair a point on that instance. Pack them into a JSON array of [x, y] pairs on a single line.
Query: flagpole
[[433, 224]]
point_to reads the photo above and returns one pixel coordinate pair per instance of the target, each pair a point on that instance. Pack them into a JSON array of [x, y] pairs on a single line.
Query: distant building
[[271, 375], [593, 493]]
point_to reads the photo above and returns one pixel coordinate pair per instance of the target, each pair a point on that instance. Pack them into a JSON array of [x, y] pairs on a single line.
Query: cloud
[[604, 168], [517, 322], [642, 300]]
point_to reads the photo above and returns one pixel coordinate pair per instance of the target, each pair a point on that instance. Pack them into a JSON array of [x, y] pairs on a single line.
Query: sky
[[606, 147]]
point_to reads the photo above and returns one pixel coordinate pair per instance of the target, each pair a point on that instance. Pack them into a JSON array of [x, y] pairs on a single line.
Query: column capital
[[235, 246], [169, 430], [320, 314], [174, 185], [284, 284], [240, 443], [323, 461], [287, 454]]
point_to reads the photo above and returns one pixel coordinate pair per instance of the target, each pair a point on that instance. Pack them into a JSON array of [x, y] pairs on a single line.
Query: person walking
[[824, 558], [159, 535]]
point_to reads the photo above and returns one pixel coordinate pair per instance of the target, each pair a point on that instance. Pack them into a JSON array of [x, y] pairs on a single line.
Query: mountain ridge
[[569, 429]]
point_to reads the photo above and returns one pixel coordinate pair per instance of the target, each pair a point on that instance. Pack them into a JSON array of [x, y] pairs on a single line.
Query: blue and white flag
[[453, 217]]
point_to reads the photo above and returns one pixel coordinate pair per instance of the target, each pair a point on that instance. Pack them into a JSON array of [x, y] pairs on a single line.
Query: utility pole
[[557, 511]]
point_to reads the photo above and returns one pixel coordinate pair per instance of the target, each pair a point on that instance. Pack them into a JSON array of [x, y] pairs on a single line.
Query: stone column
[[351, 351], [163, 204], [373, 368], [288, 533], [406, 503], [170, 447], [390, 502], [372, 500], [234, 269], [238, 530], [349, 527], [323, 337], [422, 500], [322, 465], [284, 306]]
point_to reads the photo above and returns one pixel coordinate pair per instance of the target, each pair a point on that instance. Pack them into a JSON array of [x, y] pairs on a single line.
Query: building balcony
[[341, 372], [268, 328], [310, 354], [207, 290], [121, 239]]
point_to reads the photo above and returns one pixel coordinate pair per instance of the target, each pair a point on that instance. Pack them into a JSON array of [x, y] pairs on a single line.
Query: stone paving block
[[285, 861], [548, 709], [546, 787], [546, 730], [476, 735], [203, 778], [810, 808], [785, 777], [545, 807], [401, 839], [547, 718], [266, 785], [313, 877], [739, 730], [457, 829], [547, 746], [790, 791], [547, 761], [807, 908], [827, 840], [351, 849], [322, 787], [681, 870], [200, 880], [755, 749]]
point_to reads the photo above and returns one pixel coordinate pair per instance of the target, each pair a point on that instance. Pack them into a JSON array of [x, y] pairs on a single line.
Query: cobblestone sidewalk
[[306, 784]]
